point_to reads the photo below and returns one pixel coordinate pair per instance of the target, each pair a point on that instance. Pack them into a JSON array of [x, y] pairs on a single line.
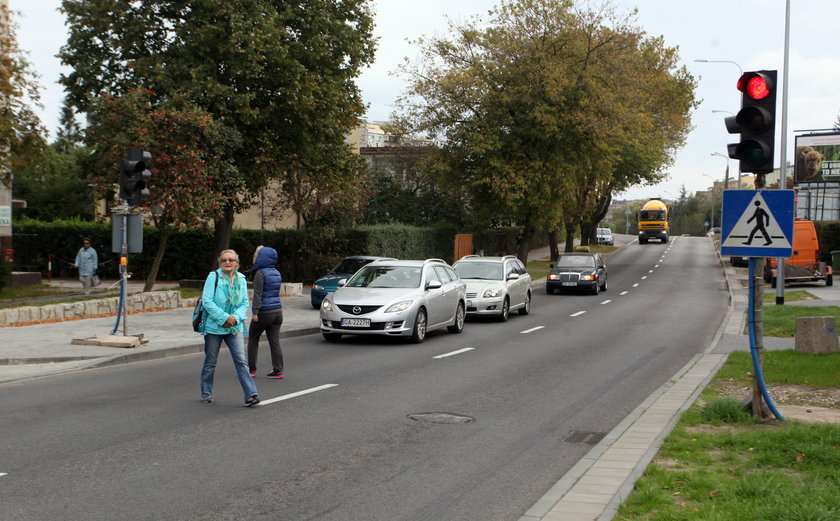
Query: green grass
[[791, 296], [720, 464], [785, 367], [33, 291], [780, 321]]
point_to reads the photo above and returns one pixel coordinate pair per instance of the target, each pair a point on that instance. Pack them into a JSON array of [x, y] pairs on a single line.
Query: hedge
[[303, 255]]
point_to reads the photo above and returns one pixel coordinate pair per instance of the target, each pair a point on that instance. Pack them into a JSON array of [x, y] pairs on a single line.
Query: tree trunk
[[524, 244], [152, 277], [223, 227], [570, 237], [587, 233], [552, 245]]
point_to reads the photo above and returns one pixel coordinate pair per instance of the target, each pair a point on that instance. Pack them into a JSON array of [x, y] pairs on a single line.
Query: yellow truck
[[653, 221]]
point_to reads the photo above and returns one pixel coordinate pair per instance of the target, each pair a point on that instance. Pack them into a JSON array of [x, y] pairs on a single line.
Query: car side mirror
[[513, 276], [434, 284], [342, 282]]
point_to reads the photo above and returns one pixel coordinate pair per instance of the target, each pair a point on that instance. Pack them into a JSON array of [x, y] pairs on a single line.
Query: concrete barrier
[[84, 308], [816, 335]]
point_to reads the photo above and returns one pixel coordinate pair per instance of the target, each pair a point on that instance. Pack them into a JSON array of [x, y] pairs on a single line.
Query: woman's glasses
[[227, 260]]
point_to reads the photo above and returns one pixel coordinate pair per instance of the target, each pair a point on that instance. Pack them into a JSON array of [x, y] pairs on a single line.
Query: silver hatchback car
[[403, 298], [495, 285]]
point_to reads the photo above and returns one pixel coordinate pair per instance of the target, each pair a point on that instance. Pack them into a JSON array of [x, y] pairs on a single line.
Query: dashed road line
[[579, 313], [636, 285], [643, 278], [453, 353], [606, 302], [531, 330], [624, 292], [299, 393]]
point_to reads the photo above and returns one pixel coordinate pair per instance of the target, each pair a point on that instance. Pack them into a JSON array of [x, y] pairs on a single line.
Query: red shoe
[[275, 374], [253, 373]]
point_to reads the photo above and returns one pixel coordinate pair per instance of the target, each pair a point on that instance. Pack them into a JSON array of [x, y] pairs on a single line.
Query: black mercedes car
[[577, 271]]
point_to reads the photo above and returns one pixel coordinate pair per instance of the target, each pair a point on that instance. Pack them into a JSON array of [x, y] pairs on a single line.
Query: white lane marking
[[624, 292], [606, 302], [656, 265], [531, 330], [299, 393], [650, 271], [579, 313], [3, 474], [636, 285], [453, 353], [643, 278]]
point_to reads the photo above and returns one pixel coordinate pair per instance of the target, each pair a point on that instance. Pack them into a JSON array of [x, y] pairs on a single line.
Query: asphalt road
[[134, 442]]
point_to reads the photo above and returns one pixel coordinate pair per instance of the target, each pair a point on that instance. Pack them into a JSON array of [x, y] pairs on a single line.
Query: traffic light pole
[[780, 262], [122, 211]]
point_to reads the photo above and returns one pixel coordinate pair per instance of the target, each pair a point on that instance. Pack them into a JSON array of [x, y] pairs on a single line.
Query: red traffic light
[[755, 85]]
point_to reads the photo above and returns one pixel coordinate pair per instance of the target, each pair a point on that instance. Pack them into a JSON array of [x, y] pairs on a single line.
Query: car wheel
[[604, 286], [596, 287], [524, 310], [460, 316], [549, 291], [505, 310], [332, 337], [418, 334], [829, 280]]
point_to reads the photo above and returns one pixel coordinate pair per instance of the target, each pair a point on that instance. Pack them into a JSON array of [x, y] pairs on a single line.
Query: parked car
[[402, 298], [577, 271], [343, 270], [495, 285], [604, 236]]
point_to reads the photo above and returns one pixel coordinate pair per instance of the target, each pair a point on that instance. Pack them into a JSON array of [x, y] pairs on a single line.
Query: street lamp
[[726, 179], [700, 60], [712, 225]]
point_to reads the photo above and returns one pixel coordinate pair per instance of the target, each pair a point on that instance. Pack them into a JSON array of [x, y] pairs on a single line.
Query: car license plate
[[355, 322], [569, 283]]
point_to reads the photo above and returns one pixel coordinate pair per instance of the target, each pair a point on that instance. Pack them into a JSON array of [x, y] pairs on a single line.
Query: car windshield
[[350, 265], [386, 277], [575, 261], [603, 231], [479, 270]]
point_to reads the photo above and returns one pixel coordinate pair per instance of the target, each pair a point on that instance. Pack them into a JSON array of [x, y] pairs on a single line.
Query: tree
[[22, 136], [549, 108], [191, 169], [279, 73]]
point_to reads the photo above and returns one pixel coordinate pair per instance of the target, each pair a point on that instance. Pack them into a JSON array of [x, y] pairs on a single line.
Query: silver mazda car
[[402, 298]]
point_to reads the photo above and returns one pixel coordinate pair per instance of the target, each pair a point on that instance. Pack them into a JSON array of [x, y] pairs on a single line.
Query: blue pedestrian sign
[[757, 223]]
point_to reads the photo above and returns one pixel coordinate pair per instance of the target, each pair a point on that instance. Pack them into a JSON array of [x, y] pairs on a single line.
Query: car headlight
[[326, 305], [399, 306], [492, 292], [552, 276], [317, 286], [590, 276]]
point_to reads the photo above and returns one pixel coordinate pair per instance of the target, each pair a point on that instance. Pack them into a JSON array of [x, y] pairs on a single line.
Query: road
[[526, 400]]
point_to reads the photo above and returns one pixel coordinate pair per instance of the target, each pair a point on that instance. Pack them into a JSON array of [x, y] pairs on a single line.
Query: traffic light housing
[[134, 175], [756, 122]]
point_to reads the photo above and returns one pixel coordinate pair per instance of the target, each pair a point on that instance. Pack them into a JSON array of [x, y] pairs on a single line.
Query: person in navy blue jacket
[[266, 311]]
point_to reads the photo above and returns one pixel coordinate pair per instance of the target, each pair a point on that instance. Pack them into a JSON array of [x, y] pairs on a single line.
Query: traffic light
[[133, 176], [756, 122]]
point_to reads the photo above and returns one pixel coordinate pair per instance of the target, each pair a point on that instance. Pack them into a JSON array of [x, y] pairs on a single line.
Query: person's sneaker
[[207, 399], [253, 373], [275, 374]]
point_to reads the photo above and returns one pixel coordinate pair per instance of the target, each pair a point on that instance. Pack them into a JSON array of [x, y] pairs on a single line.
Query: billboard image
[[817, 158]]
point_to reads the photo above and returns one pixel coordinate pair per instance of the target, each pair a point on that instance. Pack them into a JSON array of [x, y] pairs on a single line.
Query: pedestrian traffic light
[[756, 122], [134, 175]]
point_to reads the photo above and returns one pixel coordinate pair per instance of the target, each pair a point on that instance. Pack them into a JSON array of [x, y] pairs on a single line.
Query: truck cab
[[653, 221]]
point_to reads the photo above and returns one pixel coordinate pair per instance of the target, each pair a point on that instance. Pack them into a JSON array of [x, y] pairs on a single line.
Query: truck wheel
[[829, 280], [772, 282]]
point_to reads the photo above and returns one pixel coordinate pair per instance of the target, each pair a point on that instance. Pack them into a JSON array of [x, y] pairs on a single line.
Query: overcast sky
[[748, 32]]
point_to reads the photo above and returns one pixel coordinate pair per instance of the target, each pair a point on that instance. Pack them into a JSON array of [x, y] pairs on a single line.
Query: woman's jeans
[[212, 344]]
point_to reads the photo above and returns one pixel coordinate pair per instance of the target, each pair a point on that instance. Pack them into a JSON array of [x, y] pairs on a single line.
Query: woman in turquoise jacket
[[225, 301]]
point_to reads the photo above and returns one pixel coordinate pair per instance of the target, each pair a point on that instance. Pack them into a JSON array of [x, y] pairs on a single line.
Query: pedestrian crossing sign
[[757, 223]]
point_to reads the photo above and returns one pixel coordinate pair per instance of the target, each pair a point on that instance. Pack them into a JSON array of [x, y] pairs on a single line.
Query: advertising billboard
[[817, 158]]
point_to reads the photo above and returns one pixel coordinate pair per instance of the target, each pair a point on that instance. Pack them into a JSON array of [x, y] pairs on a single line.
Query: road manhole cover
[[440, 417]]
